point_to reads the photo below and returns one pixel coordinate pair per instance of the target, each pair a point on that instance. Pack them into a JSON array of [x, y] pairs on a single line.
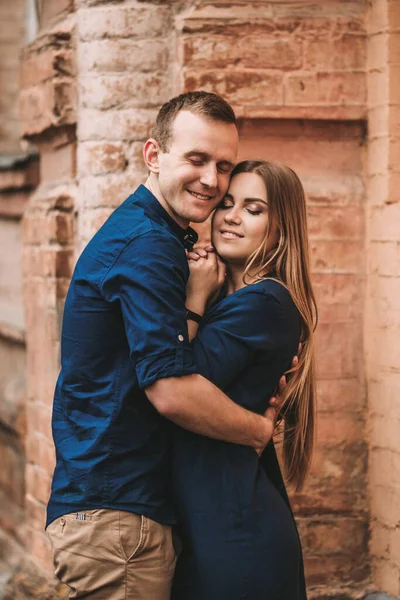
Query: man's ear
[[150, 154]]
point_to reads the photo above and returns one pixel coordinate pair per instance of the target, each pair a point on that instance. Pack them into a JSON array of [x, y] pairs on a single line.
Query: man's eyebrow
[[194, 151]]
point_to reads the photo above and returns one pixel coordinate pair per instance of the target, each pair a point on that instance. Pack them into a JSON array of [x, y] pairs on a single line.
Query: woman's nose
[[232, 216]]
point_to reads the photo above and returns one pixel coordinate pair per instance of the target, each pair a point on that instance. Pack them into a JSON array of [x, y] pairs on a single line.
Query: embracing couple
[[166, 483]]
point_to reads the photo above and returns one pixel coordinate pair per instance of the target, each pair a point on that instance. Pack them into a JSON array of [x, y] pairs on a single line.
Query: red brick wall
[[295, 73]]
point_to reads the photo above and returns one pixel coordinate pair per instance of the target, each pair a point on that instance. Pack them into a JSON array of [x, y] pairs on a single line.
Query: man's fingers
[[282, 385], [271, 414], [192, 255]]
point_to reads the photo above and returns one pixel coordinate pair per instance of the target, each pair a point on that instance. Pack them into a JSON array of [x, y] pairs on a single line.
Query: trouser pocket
[[87, 554], [109, 555]]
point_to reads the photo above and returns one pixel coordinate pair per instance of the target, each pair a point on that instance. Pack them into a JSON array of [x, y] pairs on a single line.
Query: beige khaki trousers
[[113, 555]]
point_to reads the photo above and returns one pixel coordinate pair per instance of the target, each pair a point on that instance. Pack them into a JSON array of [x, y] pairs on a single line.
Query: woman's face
[[240, 221]]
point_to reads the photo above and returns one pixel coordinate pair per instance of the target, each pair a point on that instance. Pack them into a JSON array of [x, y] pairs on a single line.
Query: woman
[[240, 540]]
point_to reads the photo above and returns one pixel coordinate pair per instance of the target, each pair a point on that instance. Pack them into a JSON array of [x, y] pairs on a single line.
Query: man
[[126, 366]]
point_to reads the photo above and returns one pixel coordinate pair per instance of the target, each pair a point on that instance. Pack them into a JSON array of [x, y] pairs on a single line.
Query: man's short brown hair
[[205, 104]]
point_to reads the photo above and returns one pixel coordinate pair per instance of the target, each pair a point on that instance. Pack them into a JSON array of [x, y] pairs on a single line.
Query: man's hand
[[276, 402]]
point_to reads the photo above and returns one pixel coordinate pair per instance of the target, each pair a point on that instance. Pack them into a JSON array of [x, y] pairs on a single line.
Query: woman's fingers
[[200, 251]]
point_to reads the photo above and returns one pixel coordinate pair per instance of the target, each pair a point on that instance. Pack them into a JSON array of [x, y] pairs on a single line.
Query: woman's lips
[[230, 235]]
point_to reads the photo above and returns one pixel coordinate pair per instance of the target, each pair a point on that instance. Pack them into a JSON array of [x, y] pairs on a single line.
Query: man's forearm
[[196, 404]]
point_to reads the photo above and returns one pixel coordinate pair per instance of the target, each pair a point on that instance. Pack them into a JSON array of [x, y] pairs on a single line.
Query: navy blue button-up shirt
[[124, 327]]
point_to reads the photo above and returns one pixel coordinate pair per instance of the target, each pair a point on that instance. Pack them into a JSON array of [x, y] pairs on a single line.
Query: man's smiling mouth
[[200, 196]]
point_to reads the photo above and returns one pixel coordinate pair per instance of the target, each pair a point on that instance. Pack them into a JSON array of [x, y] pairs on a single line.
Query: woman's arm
[[207, 276]]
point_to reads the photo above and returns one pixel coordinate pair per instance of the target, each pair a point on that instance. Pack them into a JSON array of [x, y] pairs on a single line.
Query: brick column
[[382, 324], [125, 61], [48, 118]]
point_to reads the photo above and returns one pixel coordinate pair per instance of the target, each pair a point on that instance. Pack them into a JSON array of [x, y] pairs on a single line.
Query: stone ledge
[[314, 113], [379, 596], [22, 174], [19, 159], [12, 333]]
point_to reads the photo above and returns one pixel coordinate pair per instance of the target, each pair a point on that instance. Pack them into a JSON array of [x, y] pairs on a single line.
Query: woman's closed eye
[[254, 211], [225, 204]]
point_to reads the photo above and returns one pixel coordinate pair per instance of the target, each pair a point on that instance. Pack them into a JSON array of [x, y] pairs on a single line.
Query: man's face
[[194, 173]]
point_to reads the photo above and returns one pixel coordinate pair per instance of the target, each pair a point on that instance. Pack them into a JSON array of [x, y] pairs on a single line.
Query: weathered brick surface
[[123, 56], [48, 94], [122, 91], [116, 125], [121, 22], [293, 61], [101, 157]]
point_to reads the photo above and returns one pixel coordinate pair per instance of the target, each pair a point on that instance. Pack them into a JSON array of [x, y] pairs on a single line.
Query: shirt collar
[[152, 206]]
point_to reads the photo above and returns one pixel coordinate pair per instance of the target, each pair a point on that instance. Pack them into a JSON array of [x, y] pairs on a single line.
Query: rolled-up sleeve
[[148, 280], [234, 333]]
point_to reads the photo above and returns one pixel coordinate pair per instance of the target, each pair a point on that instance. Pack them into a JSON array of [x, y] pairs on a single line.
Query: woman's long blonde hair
[[289, 263]]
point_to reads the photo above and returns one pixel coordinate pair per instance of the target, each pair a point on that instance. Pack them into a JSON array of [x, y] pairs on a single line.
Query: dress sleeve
[[148, 281], [235, 332]]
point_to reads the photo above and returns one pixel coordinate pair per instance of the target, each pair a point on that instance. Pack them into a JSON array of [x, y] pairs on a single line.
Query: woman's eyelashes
[[253, 210]]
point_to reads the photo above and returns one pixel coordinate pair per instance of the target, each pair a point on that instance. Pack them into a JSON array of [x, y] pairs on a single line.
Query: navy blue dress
[[239, 537]]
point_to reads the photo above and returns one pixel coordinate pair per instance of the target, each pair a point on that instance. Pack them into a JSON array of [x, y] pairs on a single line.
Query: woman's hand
[[207, 275]]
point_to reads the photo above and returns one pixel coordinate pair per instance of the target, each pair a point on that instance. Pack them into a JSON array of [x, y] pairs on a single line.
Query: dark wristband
[[192, 316]]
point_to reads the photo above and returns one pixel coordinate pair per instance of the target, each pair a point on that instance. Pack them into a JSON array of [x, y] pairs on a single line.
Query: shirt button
[[180, 337]]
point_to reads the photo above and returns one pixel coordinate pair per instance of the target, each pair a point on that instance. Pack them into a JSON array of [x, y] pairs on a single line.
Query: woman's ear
[[150, 154]]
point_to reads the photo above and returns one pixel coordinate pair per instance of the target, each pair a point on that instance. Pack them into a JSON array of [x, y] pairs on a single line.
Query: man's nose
[[209, 176]]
